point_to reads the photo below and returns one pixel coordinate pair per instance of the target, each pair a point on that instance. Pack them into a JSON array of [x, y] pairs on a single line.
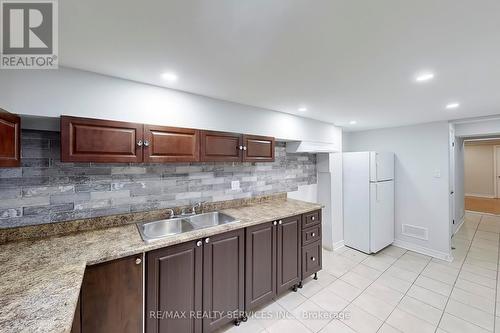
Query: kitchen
[[219, 176]]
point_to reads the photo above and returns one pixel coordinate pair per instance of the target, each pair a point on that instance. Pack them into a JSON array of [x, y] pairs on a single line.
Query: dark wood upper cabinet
[[258, 148], [260, 265], [289, 247], [223, 278], [10, 139], [112, 298], [171, 144], [174, 283], [220, 146], [94, 140], [106, 141]]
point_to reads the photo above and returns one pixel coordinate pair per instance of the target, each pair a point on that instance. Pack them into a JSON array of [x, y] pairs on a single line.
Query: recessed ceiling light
[[302, 109], [424, 77], [169, 76], [450, 106], [353, 122]]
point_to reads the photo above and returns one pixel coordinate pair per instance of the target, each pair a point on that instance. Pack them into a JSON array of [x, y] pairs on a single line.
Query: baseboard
[[481, 213], [478, 195], [423, 250], [338, 245]]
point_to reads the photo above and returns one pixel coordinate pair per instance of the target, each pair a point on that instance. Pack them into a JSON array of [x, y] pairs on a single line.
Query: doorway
[[482, 175]]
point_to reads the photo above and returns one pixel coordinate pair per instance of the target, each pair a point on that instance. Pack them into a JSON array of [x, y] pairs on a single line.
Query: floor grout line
[[461, 266]]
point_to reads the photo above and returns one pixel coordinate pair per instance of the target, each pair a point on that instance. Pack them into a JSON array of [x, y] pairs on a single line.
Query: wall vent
[[415, 232]]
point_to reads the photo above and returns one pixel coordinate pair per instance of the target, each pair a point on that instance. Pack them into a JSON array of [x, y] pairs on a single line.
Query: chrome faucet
[[184, 211], [171, 213]]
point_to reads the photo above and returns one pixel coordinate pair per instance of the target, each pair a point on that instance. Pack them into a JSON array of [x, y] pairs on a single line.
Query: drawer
[[311, 235], [311, 259], [310, 219]]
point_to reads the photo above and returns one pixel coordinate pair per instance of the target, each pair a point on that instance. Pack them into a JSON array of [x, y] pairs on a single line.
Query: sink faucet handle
[[196, 205], [171, 212]]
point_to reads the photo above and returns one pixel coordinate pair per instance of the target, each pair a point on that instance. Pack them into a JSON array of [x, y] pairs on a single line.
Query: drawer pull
[[138, 261], [313, 259], [313, 234], [313, 218]]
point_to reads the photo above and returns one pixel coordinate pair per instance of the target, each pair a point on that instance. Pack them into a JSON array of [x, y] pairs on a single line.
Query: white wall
[[478, 127], [421, 180], [330, 195], [307, 193], [479, 170], [79, 93]]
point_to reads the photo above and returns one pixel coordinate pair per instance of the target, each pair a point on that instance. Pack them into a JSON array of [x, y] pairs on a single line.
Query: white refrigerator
[[368, 186]]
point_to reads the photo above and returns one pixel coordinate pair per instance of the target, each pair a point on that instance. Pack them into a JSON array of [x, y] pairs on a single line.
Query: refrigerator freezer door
[[381, 215], [381, 166], [356, 188]]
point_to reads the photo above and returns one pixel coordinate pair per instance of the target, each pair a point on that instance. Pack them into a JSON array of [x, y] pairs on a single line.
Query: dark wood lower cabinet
[[289, 235], [273, 262], [200, 286], [174, 289], [260, 265], [195, 286], [223, 279], [111, 299]]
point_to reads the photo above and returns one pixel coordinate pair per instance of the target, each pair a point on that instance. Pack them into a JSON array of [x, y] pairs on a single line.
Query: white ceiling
[[342, 59]]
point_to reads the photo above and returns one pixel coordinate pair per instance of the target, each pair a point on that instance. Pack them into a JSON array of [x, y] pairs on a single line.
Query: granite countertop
[[40, 279]]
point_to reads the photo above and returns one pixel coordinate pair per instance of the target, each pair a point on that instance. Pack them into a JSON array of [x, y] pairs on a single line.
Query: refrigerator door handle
[[376, 192]]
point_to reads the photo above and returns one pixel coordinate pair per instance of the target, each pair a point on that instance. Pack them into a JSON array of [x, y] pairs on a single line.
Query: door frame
[[495, 171]]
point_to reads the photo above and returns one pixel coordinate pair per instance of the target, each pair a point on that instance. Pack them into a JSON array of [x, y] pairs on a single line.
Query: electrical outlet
[[235, 185]]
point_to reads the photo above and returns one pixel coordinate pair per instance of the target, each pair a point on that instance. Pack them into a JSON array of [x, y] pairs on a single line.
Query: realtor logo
[[29, 34]]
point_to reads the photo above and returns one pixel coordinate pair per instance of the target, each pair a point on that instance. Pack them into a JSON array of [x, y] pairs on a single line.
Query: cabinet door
[[289, 247], [171, 144], [94, 140], [260, 270], [311, 259], [111, 297], [220, 146], [223, 280], [10, 138], [258, 148], [173, 286]]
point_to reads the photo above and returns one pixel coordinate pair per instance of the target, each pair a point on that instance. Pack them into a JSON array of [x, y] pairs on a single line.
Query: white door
[[381, 215], [381, 166], [497, 171]]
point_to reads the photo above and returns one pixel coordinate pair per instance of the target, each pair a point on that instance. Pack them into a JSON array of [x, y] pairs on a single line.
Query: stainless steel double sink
[[151, 231]]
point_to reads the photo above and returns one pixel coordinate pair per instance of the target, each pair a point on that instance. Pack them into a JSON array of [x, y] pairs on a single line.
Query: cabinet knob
[[275, 223], [280, 222], [313, 218], [313, 234], [199, 243], [313, 259], [244, 147], [139, 143], [207, 240], [146, 143], [240, 147], [138, 261]]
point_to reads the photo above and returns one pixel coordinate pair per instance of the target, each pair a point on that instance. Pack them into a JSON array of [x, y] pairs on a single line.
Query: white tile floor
[[397, 290]]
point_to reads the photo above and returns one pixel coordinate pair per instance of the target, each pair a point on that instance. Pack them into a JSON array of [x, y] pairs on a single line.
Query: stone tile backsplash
[[46, 190]]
